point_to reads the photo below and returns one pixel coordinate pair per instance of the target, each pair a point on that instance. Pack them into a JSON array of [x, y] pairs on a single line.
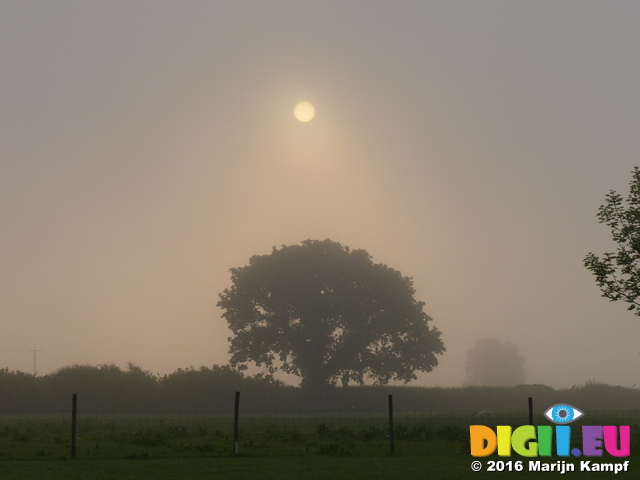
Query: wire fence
[[187, 434]]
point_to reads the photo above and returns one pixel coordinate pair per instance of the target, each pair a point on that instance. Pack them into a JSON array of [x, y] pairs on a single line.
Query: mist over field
[[148, 147]]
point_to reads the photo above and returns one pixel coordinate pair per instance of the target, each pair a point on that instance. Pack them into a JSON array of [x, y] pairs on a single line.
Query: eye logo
[[563, 413]]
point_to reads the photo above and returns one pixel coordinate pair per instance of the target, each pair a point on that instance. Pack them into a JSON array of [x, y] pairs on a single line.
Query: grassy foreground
[[441, 467]]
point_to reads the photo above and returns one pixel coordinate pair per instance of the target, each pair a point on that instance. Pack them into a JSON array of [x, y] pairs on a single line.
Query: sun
[[304, 111]]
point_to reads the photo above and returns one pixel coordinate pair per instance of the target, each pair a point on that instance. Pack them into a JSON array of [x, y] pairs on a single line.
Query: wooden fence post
[[391, 437], [74, 417], [235, 424]]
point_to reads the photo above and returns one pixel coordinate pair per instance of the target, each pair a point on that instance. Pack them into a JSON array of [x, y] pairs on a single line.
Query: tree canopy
[[618, 274], [325, 313]]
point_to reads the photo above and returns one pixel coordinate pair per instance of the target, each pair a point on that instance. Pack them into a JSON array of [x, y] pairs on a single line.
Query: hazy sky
[[147, 147]]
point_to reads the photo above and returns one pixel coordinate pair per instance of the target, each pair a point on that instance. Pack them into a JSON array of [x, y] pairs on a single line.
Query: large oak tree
[[327, 313]]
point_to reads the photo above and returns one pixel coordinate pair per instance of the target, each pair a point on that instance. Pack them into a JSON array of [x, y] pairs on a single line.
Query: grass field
[[272, 445], [174, 434], [441, 467]]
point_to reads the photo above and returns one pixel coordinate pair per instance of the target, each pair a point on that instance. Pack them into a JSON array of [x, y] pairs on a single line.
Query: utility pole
[[34, 360]]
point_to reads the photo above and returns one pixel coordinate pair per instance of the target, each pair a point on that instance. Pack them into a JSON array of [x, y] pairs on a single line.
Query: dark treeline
[[110, 388]]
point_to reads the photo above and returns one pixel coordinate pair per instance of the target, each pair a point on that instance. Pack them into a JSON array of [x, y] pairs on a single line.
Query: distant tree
[[214, 388], [492, 362], [20, 391], [328, 313], [104, 387], [618, 274]]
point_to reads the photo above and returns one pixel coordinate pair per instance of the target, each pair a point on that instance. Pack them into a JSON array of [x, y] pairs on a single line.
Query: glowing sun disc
[[304, 111]]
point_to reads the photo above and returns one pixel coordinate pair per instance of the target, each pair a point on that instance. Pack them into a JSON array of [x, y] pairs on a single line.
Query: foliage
[[328, 313], [19, 390], [618, 274], [492, 362], [110, 388], [104, 387], [211, 388]]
